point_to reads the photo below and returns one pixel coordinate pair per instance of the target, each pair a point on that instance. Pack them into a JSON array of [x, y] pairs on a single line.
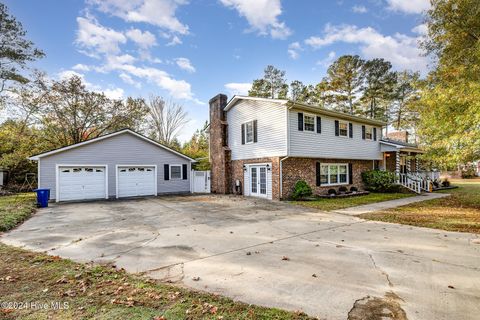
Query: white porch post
[[397, 164], [408, 163], [417, 164]]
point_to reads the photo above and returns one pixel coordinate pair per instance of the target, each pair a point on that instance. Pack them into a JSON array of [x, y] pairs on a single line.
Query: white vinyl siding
[[123, 149], [327, 145], [271, 129]]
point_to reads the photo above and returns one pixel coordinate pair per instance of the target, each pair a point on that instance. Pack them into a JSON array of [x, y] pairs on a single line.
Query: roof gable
[[107, 136]]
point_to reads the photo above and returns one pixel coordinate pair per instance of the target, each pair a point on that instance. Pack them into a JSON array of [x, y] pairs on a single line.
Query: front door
[[258, 181]]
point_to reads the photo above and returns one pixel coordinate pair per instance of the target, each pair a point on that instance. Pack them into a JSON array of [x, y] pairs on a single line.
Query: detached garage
[[116, 165]]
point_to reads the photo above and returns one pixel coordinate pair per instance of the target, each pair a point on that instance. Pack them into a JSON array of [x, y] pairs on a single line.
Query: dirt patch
[[375, 308]]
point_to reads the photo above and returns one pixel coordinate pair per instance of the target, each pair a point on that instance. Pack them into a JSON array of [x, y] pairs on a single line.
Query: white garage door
[[136, 181], [81, 183]]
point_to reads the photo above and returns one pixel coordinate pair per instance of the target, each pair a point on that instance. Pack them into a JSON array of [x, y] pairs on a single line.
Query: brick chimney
[[219, 151], [401, 136]]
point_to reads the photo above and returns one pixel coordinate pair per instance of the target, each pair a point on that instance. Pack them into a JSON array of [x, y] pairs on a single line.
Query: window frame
[[340, 122], [338, 183], [181, 171], [371, 133], [314, 117], [246, 124]]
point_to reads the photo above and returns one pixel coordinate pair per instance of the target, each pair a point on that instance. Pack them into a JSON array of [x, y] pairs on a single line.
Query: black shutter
[[243, 133], [317, 172], [363, 132], [166, 172], [375, 134], [184, 171], [319, 125], [255, 131], [337, 129], [300, 121], [350, 173], [350, 127]]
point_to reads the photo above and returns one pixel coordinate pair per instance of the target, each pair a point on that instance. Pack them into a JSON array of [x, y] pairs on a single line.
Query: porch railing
[[410, 182]]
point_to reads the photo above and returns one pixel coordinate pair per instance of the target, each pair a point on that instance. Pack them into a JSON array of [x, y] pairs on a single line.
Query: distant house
[[262, 147]]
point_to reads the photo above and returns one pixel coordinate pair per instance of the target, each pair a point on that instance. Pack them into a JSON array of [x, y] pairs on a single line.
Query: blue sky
[[189, 51]]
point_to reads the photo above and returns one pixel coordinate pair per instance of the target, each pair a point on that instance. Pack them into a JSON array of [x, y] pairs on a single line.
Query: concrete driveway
[[329, 265]]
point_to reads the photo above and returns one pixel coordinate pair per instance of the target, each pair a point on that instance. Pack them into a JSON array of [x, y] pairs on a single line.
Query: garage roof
[[138, 135]]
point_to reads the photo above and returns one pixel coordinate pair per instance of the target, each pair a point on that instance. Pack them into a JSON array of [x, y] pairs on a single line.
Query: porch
[[404, 160]]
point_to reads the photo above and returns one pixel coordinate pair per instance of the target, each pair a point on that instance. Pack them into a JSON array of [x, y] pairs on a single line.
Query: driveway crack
[[380, 270]]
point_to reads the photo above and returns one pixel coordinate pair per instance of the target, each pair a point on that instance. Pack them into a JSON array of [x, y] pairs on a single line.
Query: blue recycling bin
[[43, 195]]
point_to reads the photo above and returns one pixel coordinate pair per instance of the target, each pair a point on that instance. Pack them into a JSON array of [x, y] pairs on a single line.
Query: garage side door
[[136, 181], [81, 183]]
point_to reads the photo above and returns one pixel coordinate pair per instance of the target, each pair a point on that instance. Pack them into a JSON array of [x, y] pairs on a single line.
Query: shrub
[[379, 181], [436, 183], [445, 183], [342, 189], [353, 189], [332, 192], [468, 173], [301, 190]]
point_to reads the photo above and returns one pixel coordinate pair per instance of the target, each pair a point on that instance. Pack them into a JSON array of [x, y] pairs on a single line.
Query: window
[[369, 133], [249, 132], [175, 172], [308, 122], [331, 174], [343, 129]]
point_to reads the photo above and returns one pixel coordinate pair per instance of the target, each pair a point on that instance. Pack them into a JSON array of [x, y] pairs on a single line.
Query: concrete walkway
[[353, 211]]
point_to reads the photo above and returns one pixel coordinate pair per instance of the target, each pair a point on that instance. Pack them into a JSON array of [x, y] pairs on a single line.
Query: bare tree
[[166, 119]]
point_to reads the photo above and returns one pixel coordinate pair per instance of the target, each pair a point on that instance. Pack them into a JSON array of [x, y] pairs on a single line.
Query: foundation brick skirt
[[295, 169]]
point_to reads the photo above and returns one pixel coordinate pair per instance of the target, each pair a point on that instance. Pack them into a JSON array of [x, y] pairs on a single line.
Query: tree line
[[352, 85]]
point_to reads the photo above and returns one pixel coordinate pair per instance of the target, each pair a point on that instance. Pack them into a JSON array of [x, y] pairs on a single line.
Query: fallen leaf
[[285, 258]]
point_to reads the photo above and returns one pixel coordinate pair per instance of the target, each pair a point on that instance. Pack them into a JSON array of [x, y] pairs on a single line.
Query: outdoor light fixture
[[268, 167], [245, 168]]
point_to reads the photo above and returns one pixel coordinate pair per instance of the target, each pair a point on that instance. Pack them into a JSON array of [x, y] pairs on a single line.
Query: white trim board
[[38, 156]]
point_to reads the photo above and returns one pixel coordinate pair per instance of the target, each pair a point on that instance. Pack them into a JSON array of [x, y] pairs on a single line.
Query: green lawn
[[458, 212], [329, 204], [15, 209]]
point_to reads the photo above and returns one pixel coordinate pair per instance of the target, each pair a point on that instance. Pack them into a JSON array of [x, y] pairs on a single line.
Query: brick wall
[[295, 169], [238, 173], [398, 136], [219, 151]]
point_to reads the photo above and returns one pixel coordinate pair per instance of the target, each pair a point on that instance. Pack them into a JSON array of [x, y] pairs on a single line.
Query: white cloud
[[262, 16], [235, 88], [174, 41], [144, 40], [421, 29], [359, 9], [293, 50], [116, 93], [159, 13], [81, 67], [401, 50], [328, 60], [185, 64], [129, 80], [112, 93], [408, 6], [96, 38]]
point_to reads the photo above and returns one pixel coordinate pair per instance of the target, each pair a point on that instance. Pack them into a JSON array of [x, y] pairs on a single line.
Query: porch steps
[[415, 183]]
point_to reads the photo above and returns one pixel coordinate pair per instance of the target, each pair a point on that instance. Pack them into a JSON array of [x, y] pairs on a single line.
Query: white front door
[[258, 181], [201, 181], [136, 181], [81, 183]]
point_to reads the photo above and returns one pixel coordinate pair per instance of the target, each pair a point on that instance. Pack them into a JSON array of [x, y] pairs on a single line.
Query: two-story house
[[262, 147]]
